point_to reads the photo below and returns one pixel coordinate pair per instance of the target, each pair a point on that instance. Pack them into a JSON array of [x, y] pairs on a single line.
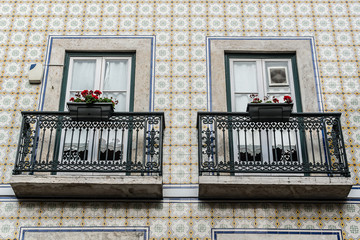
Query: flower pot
[[100, 111], [269, 111]]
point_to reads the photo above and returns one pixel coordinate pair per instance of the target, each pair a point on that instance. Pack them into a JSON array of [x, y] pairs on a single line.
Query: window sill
[[273, 187], [90, 186]]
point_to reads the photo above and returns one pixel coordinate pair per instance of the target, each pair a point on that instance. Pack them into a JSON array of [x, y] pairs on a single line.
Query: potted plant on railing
[[269, 110], [89, 106]]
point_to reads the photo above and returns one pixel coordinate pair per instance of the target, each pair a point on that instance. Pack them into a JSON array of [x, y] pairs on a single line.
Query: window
[[265, 75], [112, 75]]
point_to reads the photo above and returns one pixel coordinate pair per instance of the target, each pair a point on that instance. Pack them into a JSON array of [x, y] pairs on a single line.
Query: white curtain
[[83, 75], [245, 81], [115, 81]]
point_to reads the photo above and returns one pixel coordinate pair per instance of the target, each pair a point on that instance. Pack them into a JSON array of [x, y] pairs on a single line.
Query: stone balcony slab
[[87, 186], [273, 187]]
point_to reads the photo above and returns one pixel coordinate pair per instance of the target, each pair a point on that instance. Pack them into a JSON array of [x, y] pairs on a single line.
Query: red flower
[[97, 92], [287, 99], [275, 100], [72, 99], [94, 96], [84, 93]]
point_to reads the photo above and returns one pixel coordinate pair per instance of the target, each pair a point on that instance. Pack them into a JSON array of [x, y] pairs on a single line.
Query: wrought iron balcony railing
[[308, 144], [129, 143]]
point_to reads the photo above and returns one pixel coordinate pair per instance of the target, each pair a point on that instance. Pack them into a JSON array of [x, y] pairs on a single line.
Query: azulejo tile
[[198, 23], [303, 9], [180, 85], [159, 228], [163, 9], [8, 229], [162, 101], [232, 9], [327, 53], [329, 69], [333, 102], [341, 23], [93, 9], [58, 8], [198, 68], [323, 23], [339, 9], [74, 24], [325, 38], [352, 101], [233, 23], [145, 24], [354, 8], [180, 101], [198, 37], [269, 23], [181, 53], [321, 9], [331, 85], [180, 118], [179, 228], [346, 53], [268, 9], [198, 9], [251, 9], [348, 68], [200, 228], [355, 121], [3, 38], [23, 9], [216, 24], [4, 23], [180, 174], [162, 84], [6, 8], [162, 68], [181, 8], [109, 23], [252, 23], [181, 68], [163, 23], [7, 102], [286, 9]]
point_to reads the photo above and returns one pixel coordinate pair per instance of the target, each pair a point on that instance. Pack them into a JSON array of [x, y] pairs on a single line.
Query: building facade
[[180, 52]]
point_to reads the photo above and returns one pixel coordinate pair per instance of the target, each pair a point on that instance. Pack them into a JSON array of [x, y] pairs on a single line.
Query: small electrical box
[[35, 73]]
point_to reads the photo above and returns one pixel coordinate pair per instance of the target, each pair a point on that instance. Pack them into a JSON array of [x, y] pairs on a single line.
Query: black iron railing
[[129, 143], [307, 144]]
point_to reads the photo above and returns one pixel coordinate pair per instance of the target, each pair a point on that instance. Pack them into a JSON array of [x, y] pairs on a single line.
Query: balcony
[[302, 158], [62, 157]]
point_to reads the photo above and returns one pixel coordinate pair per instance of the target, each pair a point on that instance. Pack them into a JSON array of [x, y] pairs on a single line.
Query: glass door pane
[[116, 82]]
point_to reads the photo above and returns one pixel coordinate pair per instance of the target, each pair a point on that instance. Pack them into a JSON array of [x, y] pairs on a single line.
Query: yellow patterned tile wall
[[181, 28]]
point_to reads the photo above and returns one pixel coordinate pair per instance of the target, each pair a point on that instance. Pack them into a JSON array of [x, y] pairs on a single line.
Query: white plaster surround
[[82, 233], [218, 47], [276, 234], [59, 45]]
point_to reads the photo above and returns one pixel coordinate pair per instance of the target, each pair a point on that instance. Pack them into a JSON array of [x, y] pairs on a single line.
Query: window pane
[[116, 74], [120, 96], [241, 101], [277, 76], [83, 75], [245, 77]]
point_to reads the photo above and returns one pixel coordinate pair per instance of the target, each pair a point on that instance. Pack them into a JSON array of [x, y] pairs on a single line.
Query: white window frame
[[261, 79], [98, 85], [262, 84], [99, 76]]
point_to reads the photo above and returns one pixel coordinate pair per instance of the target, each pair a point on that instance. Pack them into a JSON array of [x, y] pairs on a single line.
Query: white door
[[259, 76], [110, 75]]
